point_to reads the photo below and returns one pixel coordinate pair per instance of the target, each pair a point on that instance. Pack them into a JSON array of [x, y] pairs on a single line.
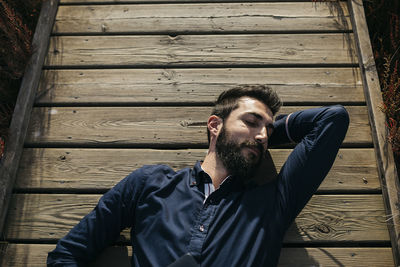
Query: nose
[[262, 136]]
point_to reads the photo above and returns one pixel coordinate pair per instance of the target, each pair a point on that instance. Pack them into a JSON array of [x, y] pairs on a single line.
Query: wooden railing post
[[383, 150], [26, 97]]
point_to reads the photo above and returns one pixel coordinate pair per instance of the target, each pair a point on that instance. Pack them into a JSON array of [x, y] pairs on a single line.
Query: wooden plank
[[96, 169], [201, 50], [311, 85], [145, 126], [23, 106], [73, 2], [195, 17], [384, 154], [336, 257], [326, 218], [34, 255]]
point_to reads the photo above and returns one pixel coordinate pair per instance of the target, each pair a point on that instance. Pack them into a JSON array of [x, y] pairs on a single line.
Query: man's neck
[[214, 168]]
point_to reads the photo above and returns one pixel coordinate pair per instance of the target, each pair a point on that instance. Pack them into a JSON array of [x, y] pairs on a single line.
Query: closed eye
[[255, 120], [251, 123]]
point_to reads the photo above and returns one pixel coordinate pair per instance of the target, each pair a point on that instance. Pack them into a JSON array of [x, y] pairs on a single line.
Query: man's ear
[[214, 125]]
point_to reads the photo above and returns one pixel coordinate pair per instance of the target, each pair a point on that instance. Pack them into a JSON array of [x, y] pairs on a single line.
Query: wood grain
[[267, 35], [149, 126], [326, 218], [311, 85], [34, 255], [336, 257], [69, 2], [201, 50], [206, 17], [100, 169]]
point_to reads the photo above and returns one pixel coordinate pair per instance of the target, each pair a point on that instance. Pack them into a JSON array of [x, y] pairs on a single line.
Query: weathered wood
[[332, 219], [384, 153], [340, 218], [23, 106], [311, 85], [326, 218], [149, 126], [209, 17], [335, 257], [201, 50], [171, 1], [100, 169], [34, 255]]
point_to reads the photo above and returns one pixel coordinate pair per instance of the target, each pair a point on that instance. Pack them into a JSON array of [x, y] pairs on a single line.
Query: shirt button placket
[[199, 232]]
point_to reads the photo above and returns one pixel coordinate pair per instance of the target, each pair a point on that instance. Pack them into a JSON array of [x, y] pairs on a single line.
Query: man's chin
[[252, 158]]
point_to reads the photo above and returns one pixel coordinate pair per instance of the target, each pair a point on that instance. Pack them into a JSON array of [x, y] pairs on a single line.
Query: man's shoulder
[[158, 171]]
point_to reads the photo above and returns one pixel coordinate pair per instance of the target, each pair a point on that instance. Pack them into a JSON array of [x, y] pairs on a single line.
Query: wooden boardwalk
[[127, 83]]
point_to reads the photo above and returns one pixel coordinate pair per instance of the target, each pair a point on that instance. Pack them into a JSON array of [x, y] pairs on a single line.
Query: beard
[[230, 153]]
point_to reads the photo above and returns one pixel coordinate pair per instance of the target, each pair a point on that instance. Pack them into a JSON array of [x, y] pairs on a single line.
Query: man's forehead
[[249, 104]]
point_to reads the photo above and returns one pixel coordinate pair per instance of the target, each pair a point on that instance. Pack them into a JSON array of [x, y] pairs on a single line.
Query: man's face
[[243, 139]]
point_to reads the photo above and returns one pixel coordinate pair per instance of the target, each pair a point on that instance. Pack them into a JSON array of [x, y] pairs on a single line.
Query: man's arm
[[319, 133], [101, 227]]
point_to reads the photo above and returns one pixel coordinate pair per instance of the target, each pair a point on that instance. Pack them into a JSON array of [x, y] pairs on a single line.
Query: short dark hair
[[228, 100]]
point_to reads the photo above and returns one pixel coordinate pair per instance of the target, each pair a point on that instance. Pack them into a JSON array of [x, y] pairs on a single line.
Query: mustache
[[254, 145]]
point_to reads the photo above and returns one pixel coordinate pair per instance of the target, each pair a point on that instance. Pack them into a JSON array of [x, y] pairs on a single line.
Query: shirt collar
[[200, 176], [197, 175]]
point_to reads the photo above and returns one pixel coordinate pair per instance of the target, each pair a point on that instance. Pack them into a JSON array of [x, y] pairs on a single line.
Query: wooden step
[[326, 218], [72, 169], [35, 255], [154, 86], [201, 17], [146, 126], [104, 2], [201, 50]]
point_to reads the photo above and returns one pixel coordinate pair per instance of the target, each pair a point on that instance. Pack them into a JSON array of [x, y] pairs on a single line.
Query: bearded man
[[229, 209]]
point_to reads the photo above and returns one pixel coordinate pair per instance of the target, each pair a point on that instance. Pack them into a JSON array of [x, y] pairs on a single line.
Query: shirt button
[[201, 228]]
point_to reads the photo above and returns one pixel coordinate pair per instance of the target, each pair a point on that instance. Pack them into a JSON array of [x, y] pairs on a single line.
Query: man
[[219, 211]]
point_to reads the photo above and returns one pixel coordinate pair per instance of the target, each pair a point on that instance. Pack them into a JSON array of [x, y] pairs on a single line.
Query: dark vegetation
[[18, 19], [383, 17], [17, 23]]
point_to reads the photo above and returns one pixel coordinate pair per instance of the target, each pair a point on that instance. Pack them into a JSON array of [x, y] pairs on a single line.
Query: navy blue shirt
[[237, 225]]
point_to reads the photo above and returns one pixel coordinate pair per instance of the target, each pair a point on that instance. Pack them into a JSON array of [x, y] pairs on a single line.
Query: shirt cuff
[[287, 128]]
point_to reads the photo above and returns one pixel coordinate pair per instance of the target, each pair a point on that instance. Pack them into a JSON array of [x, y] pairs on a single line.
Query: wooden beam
[[177, 86], [201, 50], [202, 18], [335, 257], [384, 154], [85, 2], [34, 255], [148, 127], [23, 106], [331, 219], [96, 170]]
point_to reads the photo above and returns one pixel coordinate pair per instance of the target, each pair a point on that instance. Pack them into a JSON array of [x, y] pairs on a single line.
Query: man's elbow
[[56, 259], [340, 117]]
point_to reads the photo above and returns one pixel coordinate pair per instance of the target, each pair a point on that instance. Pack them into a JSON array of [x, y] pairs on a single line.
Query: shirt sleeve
[[101, 227], [319, 133]]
